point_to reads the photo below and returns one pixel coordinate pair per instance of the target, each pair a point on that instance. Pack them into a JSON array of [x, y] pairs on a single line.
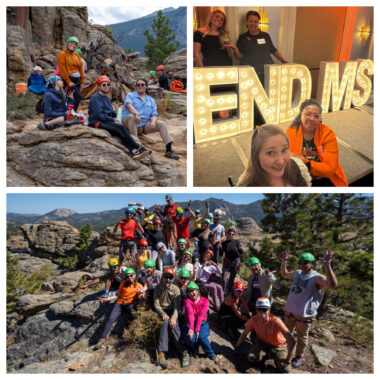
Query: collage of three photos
[[114, 277]]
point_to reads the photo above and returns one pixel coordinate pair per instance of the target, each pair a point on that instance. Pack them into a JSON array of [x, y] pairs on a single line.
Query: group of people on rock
[[177, 281], [307, 153], [139, 115]]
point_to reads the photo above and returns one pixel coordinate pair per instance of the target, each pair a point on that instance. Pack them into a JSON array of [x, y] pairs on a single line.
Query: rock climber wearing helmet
[[305, 296], [166, 257], [181, 223], [181, 246], [186, 258], [143, 253], [167, 302], [202, 235], [127, 295], [219, 233], [128, 228], [71, 69], [155, 236], [229, 315], [150, 278], [163, 81], [196, 329], [152, 78], [260, 283], [102, 115], [140, 117], [273, 339], [168, 228], [56, 105]]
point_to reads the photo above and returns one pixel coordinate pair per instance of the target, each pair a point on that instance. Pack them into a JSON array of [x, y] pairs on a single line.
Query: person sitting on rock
[[128, 227], [84, 63], [37, 81], [152, 81], [102, 115], [150, 278], [273, 339], [70, 68], [127, 295], [155, 236], [140, 116], [112, 278], [185, 263], [163, 81], [305, 296], [166, 257], [143, 253], [167, 301], [56, 102]]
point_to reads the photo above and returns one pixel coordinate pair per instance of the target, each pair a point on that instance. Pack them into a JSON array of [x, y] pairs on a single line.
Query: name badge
[[261, 41]]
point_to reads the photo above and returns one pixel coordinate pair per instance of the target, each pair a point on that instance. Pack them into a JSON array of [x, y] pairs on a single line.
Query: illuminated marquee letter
[[336, 82], [361, 95], [205, 104]]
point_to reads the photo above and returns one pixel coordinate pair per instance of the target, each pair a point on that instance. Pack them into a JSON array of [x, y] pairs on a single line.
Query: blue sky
[[82, 203]]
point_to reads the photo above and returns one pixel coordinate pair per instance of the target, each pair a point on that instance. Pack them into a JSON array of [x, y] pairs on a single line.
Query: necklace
[[308, 143]]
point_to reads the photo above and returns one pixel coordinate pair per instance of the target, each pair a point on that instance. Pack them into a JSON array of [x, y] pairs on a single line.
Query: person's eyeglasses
[[168, 277], [105, 85], [140, 85], [262, 310], [183, 278], [129, 275], [254, 266], [129, 213], [304, 262]]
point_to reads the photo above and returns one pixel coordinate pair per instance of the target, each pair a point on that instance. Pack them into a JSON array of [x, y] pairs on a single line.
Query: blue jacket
[[100, 109], [36, 83], [53, 106]]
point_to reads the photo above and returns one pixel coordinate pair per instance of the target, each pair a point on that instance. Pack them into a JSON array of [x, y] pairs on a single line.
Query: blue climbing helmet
[[130, 210]]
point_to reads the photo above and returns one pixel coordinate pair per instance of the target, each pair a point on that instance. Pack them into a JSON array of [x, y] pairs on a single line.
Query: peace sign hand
[[266, 271], [285, 255], [328, 257]]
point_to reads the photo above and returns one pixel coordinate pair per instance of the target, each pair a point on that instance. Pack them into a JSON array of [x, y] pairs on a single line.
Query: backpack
[[40, 106]]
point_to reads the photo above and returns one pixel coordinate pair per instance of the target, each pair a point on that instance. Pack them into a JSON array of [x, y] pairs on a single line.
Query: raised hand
[[328, 257], [285, 255], [266, 271]]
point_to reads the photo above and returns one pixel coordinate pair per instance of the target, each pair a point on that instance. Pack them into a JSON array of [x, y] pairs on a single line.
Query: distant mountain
[[131, 33], [99, 220]]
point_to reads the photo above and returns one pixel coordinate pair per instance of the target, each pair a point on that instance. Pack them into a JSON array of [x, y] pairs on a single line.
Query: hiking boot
[[171, 154], [42, 126], [100, 344], [162, 360], [185, 359], [297, 362], [140, 153], [215, 359], [196, 354], [72, 121]]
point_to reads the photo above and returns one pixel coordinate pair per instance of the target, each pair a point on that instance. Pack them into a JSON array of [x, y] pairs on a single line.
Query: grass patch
[[21, 107]]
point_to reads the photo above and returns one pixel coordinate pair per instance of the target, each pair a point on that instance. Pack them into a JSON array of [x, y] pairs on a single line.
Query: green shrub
[[68, 262], [20, 107], [169, 105]]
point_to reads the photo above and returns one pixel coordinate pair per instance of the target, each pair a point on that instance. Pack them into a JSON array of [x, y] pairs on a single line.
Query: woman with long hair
[[316, 144], [211, 45], [271, 163]]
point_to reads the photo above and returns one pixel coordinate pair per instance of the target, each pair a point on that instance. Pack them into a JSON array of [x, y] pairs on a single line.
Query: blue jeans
[[202, 341]]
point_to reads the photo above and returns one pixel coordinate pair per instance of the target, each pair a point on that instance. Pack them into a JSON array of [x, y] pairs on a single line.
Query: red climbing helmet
[[103, 78], [239, 285], [160, 68]]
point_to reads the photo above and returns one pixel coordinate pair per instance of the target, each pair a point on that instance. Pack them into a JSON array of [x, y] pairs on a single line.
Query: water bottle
[[119, 113]]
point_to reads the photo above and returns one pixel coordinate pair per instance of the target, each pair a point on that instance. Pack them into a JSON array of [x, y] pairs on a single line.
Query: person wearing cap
[[203, 272], [273, 339], [166, 257], [202, 237], [186, 263], [155, 236], [167, 214], [128, 228], [181, 246], [56, 105], [71, 71], [197, 330], [163, 81], [197, 217], [140, 117], [305, 296], [182, 279], [219, 233], [167, 302], [143, 253], [182, 225], [112, 278], [152, 80], [149, 277], [102, 115], [37, 81], [138, 217], [260, 283], [125, 305], [229, 315]]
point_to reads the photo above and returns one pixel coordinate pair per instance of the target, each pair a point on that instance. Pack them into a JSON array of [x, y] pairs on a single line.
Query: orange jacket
[[327, 147], [69, 63]]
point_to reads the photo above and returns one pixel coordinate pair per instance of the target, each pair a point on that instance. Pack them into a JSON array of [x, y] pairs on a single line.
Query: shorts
[[127, 245]]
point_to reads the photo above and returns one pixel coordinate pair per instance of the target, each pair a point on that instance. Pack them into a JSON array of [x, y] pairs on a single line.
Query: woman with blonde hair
[[211, 45], [271, 163]]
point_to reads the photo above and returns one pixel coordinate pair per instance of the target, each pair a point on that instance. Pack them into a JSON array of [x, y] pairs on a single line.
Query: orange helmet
[[239, 285], [103, 78], [143, 242], [209, 252]]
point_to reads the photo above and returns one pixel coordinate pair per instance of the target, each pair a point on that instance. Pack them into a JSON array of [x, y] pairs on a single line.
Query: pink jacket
[[196, 313]]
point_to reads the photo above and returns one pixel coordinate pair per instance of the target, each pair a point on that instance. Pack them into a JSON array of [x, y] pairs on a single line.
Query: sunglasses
[[262, 310], [238, 291], [105, 85], [129, 275], [304, 262], [254, 266], [168, 277], [129, 213], [183, 278], [140, 85]]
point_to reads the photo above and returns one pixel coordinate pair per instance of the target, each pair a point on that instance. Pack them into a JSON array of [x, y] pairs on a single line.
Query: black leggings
[[118, 130], [77, 95]]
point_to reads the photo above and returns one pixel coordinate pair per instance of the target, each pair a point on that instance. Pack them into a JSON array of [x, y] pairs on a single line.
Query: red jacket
[[327, 147]]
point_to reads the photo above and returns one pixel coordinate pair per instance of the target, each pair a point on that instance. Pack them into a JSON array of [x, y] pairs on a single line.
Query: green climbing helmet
[[184, 273], [78, 51], [129, 271], [306, 257], [191, 286], [182, 240], [73, 39], [188, 253], [152, 72], [208, 221], [253, 260], [149, 263]]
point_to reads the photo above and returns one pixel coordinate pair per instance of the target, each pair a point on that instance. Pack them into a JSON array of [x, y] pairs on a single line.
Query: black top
[[164, 82], [203, 244], [154, 237], [256, 50], [231, 249], [211, 49]]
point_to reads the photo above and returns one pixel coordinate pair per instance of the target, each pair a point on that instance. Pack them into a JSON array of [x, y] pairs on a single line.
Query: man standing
[[102, 116], [273, 339], [305, 297], [169, 211], [163, 81], [140, 117], [219, 233]]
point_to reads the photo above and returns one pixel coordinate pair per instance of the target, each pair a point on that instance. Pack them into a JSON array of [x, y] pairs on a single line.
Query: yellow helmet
[[113, 262]]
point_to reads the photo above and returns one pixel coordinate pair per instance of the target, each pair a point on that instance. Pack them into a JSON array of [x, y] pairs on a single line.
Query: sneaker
[[42, 126], [100, 343], [172, 154], [185, 359], [162, 360], [297, 362], [215, 359], [140, 153], [196, 354]]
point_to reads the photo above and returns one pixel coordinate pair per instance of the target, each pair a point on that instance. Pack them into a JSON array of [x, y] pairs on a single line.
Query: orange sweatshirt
[[70, 63], [327, 147]]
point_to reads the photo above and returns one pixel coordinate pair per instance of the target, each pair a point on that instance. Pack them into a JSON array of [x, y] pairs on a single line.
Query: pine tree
[[160, 44]]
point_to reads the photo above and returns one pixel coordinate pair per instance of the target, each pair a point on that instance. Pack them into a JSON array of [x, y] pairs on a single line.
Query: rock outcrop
[[248, 227]]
